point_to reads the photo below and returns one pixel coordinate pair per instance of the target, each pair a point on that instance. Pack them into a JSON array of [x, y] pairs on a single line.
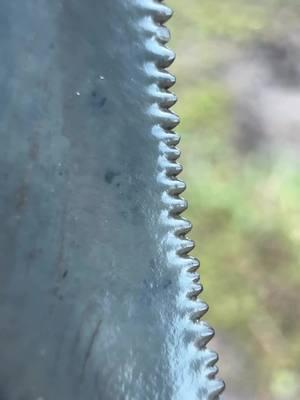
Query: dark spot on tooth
[[102, 102], [110, 175], [33, 153], [98, 100], [152, 264], [167, 284], [21, 197], [31, 256], [124, 214]]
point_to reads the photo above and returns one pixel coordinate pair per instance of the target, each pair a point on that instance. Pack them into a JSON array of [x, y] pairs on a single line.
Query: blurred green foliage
[[245, 210]]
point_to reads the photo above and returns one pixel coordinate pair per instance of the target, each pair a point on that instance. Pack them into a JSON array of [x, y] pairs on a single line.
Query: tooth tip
[[205, 336], [211, 358]]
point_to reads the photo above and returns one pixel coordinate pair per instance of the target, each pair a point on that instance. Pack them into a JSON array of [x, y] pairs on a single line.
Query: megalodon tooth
[[98, 295]]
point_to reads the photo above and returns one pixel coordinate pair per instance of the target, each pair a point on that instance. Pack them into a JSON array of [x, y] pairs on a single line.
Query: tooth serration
[[191, 308]]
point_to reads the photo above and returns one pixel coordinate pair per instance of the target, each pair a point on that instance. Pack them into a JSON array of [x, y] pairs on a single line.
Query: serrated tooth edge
[[178, 245]]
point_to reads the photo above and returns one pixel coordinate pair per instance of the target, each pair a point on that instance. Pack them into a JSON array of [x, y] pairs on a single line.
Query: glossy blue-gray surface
[[94, 272]]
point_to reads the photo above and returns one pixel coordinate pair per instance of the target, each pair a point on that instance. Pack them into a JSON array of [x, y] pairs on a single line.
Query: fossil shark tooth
[[99, 298]]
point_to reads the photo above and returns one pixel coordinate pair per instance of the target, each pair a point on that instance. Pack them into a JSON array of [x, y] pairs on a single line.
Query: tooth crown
[[178, 246]]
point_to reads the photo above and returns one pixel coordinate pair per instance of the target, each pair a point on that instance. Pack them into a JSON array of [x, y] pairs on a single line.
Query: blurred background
[[238, 83]]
